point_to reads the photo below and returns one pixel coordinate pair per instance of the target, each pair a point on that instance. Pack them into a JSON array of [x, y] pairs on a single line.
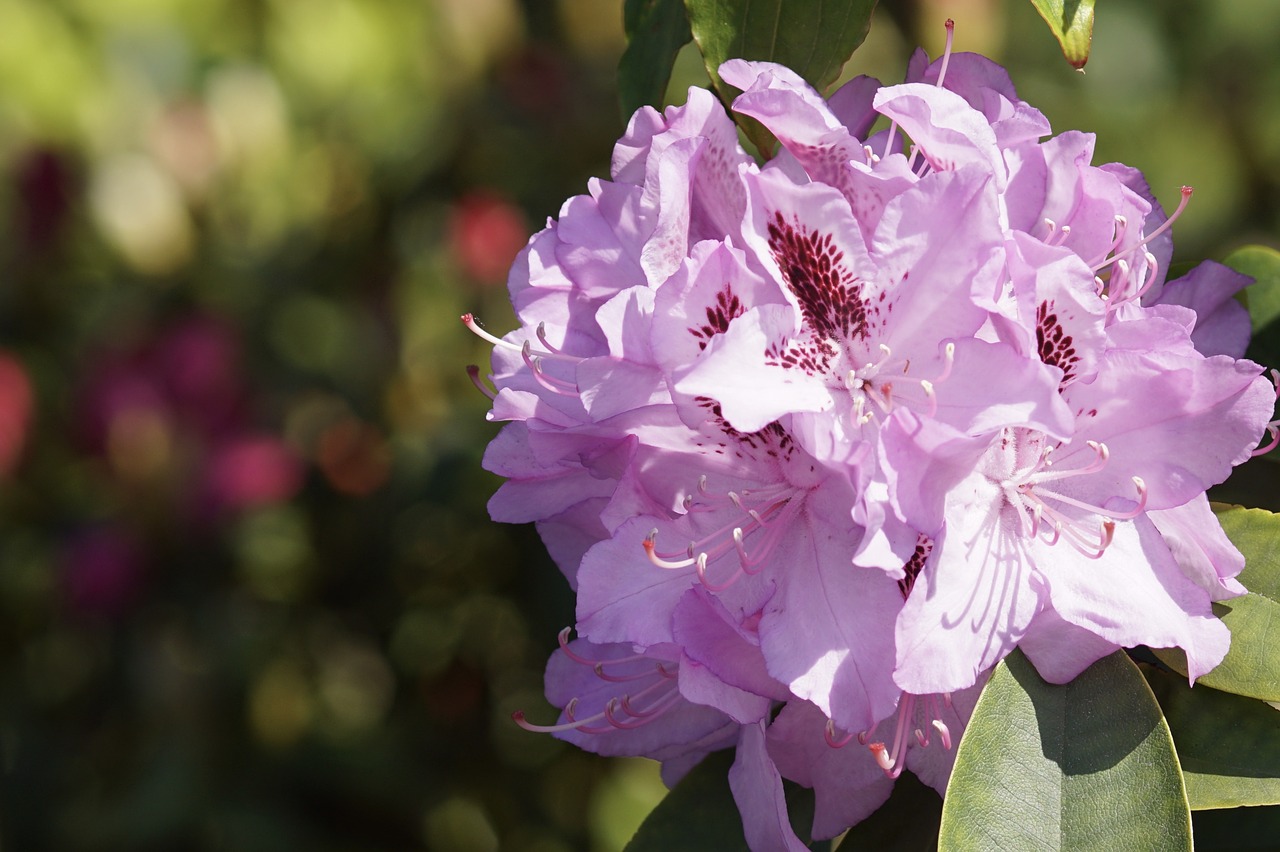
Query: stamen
[[889, 138], [558, 386], [473, 373], [598, 668], [649, 543], [927, 387], [1064, 528], [946, 51], [710, 586], [643, 718], [597, 665], [948, 360], [737, 502], [883, 760], [471, 323], [1182, 205], [1121, 225], [542, 338], [666, 697], [942, 729], [1039, 473], [829, 734], [1138, 483]]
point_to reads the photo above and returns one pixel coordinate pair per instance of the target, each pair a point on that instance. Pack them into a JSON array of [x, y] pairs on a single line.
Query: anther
[[470, 322], [473, 373], [948, 361], [649, 544], [705, 581]]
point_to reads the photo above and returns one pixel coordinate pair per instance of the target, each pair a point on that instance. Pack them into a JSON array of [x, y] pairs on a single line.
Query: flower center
[[1023, 467]]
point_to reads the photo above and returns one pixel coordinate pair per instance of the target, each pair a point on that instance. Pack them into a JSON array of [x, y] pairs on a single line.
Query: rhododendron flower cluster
[[819, 442]]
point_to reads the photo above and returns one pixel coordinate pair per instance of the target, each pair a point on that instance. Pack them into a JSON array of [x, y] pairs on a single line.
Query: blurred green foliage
[[249, 594]]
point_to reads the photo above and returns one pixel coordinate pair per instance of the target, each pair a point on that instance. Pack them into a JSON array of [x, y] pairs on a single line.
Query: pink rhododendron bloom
[[819, 442]]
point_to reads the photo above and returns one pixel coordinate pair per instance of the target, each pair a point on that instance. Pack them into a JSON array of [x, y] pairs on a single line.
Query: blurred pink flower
[[253, 470], [486, 232], [15, 411]]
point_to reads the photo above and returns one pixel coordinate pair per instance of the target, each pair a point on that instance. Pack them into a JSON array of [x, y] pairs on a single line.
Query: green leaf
[[1085, 765], [1262, 298], [1072, 24], [700, 813], [1229, 746], [1252, 665], [908, 821], [814, 38], [656, 30]]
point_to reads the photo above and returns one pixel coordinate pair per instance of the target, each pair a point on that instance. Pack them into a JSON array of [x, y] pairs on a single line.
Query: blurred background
[[250, 598]]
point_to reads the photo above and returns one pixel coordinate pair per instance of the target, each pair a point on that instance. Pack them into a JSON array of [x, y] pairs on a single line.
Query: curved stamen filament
[[1057, 236], [1182, 205], [705, 581], [665, 560], [948, 361], [829, 734], [542, 338], [661, 561], [1068, 530], [1138, 483], [597, 666], [586, 725], [1121, 225], [473, 373], [943, 731], [558, 386], [1273, 430], [1039, 474], [473, 325], [644, 717]]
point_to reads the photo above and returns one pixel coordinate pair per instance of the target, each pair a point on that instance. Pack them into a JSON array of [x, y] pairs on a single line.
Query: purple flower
[[819, 442]]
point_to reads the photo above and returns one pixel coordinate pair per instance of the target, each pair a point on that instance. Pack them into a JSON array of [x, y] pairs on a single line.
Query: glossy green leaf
[[1252, 665], [907, 822], [814, 38], [1072, 24], [1262, 298], [699, 813], [1228, 745], [1085, 765], [656, 30]]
